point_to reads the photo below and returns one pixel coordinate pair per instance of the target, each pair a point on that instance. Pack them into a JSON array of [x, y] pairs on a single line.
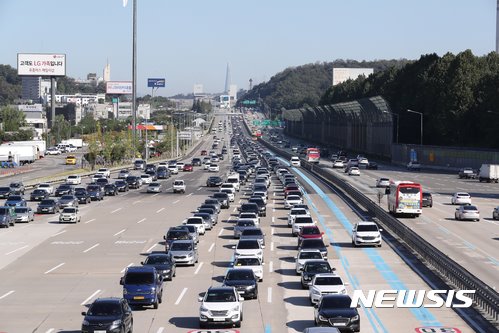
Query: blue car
[[142, 285], [16, 201]]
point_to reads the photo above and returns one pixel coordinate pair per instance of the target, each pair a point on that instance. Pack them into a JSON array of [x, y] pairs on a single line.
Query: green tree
[[12, 119]]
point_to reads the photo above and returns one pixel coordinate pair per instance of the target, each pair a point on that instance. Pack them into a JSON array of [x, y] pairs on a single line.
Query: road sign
[[437, 329], [249, 102], [256, 122], [156, 83], [184, 135]]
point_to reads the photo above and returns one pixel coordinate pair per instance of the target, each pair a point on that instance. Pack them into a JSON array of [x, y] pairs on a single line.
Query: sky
[[191, 41]]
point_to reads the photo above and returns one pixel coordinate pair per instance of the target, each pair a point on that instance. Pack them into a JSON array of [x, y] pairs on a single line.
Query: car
[[292, 200], [133, 182], [68, 200], [5, 192], [146, 178], [300, 222], [221, 305], [38, 195], [196, 161], [73, 180], [173, 168], [213, 202], [335, 310], [244, 280], [7, 216], [214, 181], [372, 166], [312, 267], [108, 315], [110, 189], [314, 243], [325, 284], [102, 182], [162, 263], [70, 160], [250, 215], [139, 165], [241, 225], [253, 233], [70, 214], [48, 206], [52, 151], [122, 186], [262, 207], [251, 262], [98, 176], [184, 252], [414, 165], [123, 174], [193, 232], [248, 247], [338, 164], [196, 221], [467, 173], [46, 187], [82, 195], [366, 233], [142, 285], [105, 171], [362, 161], [295, 161], [461, 198], [305, 255], [17, 188], [309, 232], [153, 175], [353, 171], [296, 211], [178, 186], [162, 172], [467, 212], [495, 213], [427, 199], [188, 168], [225, 198], [150, 168], [154, 188], [95, 192], [15, 200], [383, 182], [176, 233], [213, 167], [24, 214], [64, 189]]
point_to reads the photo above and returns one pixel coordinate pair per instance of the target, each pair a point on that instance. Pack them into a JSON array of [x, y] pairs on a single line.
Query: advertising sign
[[41, 64], [184, 135], [119, 87], [156, 83]]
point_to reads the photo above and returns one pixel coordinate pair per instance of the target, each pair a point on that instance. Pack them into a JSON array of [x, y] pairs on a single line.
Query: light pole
[[397, 132], [411, 111], [134, 72]]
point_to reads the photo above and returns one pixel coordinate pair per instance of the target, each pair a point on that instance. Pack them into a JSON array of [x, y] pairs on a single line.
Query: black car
[[244, 280], [108, 315], [372, 166], [48, 206], [95, 192], [64, 189], [262, 207], [196, 161], [253, 233], [176, 233], [312, 267], [249, 208], [163, 173], [5, 192], [334, 310], [17, 188], [82, 195], [110, 189], [223, 198], [427, 200], [122, 186], [214, 181], [39, 195], [133, 181], [163, 264], [211, 211], [153, 175], [102, 182], [150, 167], [315, 243]]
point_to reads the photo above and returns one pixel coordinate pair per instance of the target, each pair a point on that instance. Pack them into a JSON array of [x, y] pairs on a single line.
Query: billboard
[[119, 87], [343, 74], [156, 83], [41, 64]]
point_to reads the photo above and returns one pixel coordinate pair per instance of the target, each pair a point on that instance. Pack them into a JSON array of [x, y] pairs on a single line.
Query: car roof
[[140, 269], [366, 223]]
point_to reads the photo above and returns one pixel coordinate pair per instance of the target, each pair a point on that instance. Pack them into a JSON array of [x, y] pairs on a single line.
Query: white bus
[[405, 198]]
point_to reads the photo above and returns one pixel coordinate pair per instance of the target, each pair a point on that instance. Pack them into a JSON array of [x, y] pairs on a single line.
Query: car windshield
[[4, 189], [69, 210], [178, 183], [252, 232], [154, 184], [221, 195], [15, 185], [248, 245], [177, 234], [247, 262], [409, 190], [67, 197], [93, 188], [312, 243], [221, 296], [104, 309], [470, 208], [37, 192], [139, 278], [464, 195], [303, 220], [247, 223], [109, 186], [181, 247], [64, 187], [47, 202], [311, 231], [367, 227], [328, 281], [248, 215], [194, 221], [80, 191], [240, 274], [21, 210], [336, 302], [318, 267], [15, 198], [310, 255], [191, 228], [293, 198], [4, 211], [157, 260]]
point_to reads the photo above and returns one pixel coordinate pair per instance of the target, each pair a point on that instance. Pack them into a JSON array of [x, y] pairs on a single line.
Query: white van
[[235, 180], [295, 161]]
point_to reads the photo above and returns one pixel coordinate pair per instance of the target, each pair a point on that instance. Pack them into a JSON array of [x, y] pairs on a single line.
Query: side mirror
[[346, 284], [380, 230], [322, 232], [142, 263], [316, 305], [457, 208], [164, 237], [233, 246], [83, 313], [122, 281], [200, 299]]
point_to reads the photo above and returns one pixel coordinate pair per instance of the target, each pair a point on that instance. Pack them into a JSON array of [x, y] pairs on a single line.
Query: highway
[[49, 272]]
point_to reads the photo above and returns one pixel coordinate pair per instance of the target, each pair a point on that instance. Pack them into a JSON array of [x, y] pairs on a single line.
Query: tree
[[12, 119], [61, 129]]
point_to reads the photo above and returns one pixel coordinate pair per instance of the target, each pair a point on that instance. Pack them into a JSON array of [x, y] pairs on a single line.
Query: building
[[344, 74], [106, 73], [36, 88], [35, 118], [78, 99], [98, 111], [125, 110]]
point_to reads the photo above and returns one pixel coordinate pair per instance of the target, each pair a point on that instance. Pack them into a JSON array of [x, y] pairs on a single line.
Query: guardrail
[[485, 299]]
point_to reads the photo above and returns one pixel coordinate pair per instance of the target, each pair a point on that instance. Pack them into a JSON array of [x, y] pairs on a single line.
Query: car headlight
[[203, 309], [259, 253], [343, 291], [355, 318], [236, 308], [125, 291], [250, 287], [116, 323], [85, 322], [322, 318]]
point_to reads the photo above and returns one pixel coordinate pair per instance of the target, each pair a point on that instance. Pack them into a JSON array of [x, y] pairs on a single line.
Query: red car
[[309, 232], [204, 152], [290, 188], [187, 167]]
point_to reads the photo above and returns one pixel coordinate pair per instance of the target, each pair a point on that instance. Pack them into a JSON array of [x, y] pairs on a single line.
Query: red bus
[[405, 198], [313, 155]]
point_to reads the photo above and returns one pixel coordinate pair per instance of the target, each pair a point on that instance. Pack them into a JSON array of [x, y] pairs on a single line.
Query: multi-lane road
[[49, 272]]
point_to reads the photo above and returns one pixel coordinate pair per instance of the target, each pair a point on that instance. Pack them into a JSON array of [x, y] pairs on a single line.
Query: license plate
[[218, 319], [99, 331], [339, 324], [138, 297], [45, 209]]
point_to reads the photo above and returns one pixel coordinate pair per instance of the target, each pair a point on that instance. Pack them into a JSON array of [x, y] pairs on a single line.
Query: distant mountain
[[10, 85]]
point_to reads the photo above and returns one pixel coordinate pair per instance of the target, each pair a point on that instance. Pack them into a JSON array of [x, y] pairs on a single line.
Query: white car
[[180, 166], [196, 221], [295, 161], [325, 284], [363, 161], [250, 216], [70, 214], [414, 166], [46, 187], [294, 212], [354, 171], [52, 151], [73, 180], [461, 198], [338, 164], [173, 169], [248, 247], [366, 233], [213, 167], [467, 212], [383, 182], [252, 262], [304, 255], [260, 194], [292, 200], [146, 179], [230, 194], [228, 186], [221, 305], [98, 175], [105, 171], [299, 222], [154, 188]]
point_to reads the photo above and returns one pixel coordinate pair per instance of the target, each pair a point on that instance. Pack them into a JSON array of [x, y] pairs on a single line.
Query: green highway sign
[[249, 102]]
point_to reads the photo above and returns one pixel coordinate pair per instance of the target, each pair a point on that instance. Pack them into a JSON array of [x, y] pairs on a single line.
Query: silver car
[[193, 232], [241, 225], [467, 212], [184, 252], [68, 200], [305, 255], [24, 214]]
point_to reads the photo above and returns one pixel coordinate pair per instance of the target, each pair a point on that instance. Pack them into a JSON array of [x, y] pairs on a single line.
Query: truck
[[78, 143], [41, 145], [489, 173], [25, 154]]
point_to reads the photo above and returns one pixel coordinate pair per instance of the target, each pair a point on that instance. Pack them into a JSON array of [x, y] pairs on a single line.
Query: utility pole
[[134, 74]]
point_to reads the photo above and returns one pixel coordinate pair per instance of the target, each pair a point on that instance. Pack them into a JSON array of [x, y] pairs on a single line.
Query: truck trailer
[[489, 173]]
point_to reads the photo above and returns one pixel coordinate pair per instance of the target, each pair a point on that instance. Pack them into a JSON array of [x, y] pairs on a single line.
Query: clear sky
[[191, 41]]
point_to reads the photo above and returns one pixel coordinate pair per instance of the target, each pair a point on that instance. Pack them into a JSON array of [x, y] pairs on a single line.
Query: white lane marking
[[89, 221], [221, 231], [155, 194], [152, 247], [90, 297], [50, 330], [271, 267], [160, 330], [160, 210], [271, 246], [234, 210], [18, 249], [199, 189], [91, 247], [54, 268], [273, 219], [180, 296], [116, 210], [124, 269], [135, 202], [7, 294], [269, 295], [272, 231], [119, 232], [188, 195], [211, 247], [199, 268], [176, 201], [59, 233], [141, 220]]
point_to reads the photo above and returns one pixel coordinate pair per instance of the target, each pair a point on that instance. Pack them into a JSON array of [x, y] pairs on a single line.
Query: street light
[[397, 133], [492, 112], [411, 111]]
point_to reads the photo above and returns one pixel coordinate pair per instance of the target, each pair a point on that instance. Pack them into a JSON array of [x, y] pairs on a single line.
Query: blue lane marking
[[444, 229], [469, 245], [422, 314], [268, 329]]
